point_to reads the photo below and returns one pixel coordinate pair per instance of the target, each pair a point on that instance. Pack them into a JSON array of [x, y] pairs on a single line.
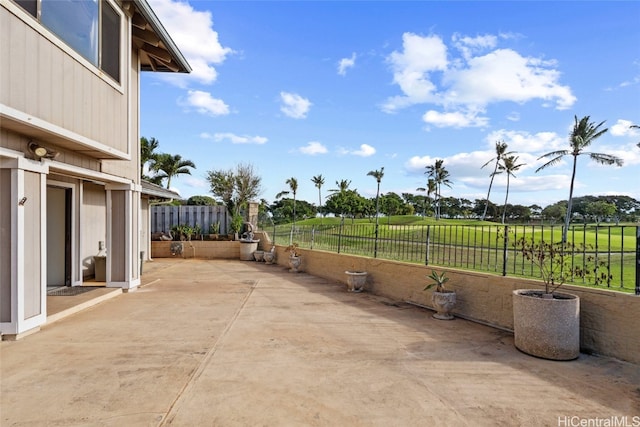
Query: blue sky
[[338, 88]]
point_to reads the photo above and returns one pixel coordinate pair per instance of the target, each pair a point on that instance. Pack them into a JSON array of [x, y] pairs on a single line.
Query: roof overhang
[[158, 52], [158, 192]]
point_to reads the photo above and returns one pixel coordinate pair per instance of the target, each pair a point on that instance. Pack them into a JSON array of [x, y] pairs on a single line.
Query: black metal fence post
[[426, 251], [505, 251], [340, 233], [274, 234], [637, 260]]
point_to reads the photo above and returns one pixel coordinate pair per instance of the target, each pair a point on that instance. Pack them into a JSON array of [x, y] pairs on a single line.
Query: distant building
[[70, 146]]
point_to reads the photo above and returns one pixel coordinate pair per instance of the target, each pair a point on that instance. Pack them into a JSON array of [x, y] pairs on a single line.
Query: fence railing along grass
[[615, 250]]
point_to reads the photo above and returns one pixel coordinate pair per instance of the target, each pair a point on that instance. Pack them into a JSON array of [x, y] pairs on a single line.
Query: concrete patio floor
[[232, 343]]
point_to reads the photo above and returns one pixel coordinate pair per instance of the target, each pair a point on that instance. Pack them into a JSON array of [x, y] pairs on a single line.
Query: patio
[[220, 342]]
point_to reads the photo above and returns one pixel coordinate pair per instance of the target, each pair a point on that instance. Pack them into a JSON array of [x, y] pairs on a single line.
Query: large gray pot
[[547, 328]]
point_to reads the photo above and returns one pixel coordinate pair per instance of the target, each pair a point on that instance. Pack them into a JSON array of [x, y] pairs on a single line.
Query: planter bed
[[206, 249]]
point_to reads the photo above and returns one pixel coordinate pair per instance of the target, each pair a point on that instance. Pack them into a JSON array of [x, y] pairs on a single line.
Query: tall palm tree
[[440, 175], [377, 174], [508, 166], [147, 153], [501, 152], [431, 189], [343, 185], [318, 181], [168, 166], [293, 187], [583, 134]]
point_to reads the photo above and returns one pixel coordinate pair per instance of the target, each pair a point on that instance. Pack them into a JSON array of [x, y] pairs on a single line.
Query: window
[[90, 27], [110, 41]]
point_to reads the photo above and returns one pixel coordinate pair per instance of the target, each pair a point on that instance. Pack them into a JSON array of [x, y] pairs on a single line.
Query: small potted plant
[[236, 225], [443, 299], [294, 258], [356, 279], [214, 230]]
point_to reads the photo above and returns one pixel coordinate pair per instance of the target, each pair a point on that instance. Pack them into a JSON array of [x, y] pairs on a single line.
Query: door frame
[[70, 244]]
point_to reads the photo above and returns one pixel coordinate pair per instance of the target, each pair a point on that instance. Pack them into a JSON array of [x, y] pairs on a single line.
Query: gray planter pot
[[356, 280], [269, 257], [547, 328], [294, 263], [443, 302], [247, 248]]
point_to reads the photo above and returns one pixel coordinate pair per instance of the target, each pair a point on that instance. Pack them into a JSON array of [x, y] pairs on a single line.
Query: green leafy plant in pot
[[443, 300]]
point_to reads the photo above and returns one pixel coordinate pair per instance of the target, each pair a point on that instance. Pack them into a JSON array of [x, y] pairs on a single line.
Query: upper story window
[[90, 27]]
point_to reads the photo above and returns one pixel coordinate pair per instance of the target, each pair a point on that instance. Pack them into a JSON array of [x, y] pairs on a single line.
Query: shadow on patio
[[242, 343]]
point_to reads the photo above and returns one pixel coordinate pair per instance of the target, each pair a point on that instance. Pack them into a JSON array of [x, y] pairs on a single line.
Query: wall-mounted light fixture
[[40, 152]]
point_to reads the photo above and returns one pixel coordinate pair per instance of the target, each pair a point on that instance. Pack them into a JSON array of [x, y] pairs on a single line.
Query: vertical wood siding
[[32, 247], [40, 79], [6, 242]]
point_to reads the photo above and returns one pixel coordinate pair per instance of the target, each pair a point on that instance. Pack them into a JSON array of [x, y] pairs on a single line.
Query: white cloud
[[346, 63], [194, 182], [204, 103], [427, 73], [469, 45], [313, 148], [505, 75], [520, 141], [623, 128], [420, 56], [364, 151], [192, 31], [235, 139], [456, 119], [294, 105], [513, 116]]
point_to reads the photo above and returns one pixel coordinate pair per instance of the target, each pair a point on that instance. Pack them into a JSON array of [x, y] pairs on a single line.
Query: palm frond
[[606, 159], [551, 162]]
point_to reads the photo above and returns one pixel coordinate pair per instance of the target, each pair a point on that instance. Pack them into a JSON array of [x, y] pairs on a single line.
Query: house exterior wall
[[33, 249], [129, 169], [6, 241], [52, 96], [145, 238], [93, 214], [42, 77]]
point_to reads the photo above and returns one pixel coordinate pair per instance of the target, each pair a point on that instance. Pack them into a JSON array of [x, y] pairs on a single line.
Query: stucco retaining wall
[[609, 320], [199, 249]]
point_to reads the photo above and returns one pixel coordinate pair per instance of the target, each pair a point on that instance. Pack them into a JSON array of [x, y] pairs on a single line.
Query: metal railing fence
[[489, 248]]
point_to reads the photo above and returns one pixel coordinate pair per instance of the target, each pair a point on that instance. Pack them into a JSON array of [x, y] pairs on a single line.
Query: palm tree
[[293, 186], [170, 166], [343, 185], [583, 134], [440, 176], [431, 189], [509, 165], [501, 152], [318, 181], [147, 153], [377, 174], [635, 127]]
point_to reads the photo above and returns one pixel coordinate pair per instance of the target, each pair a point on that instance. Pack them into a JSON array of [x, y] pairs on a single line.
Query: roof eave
[[150, 16]]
